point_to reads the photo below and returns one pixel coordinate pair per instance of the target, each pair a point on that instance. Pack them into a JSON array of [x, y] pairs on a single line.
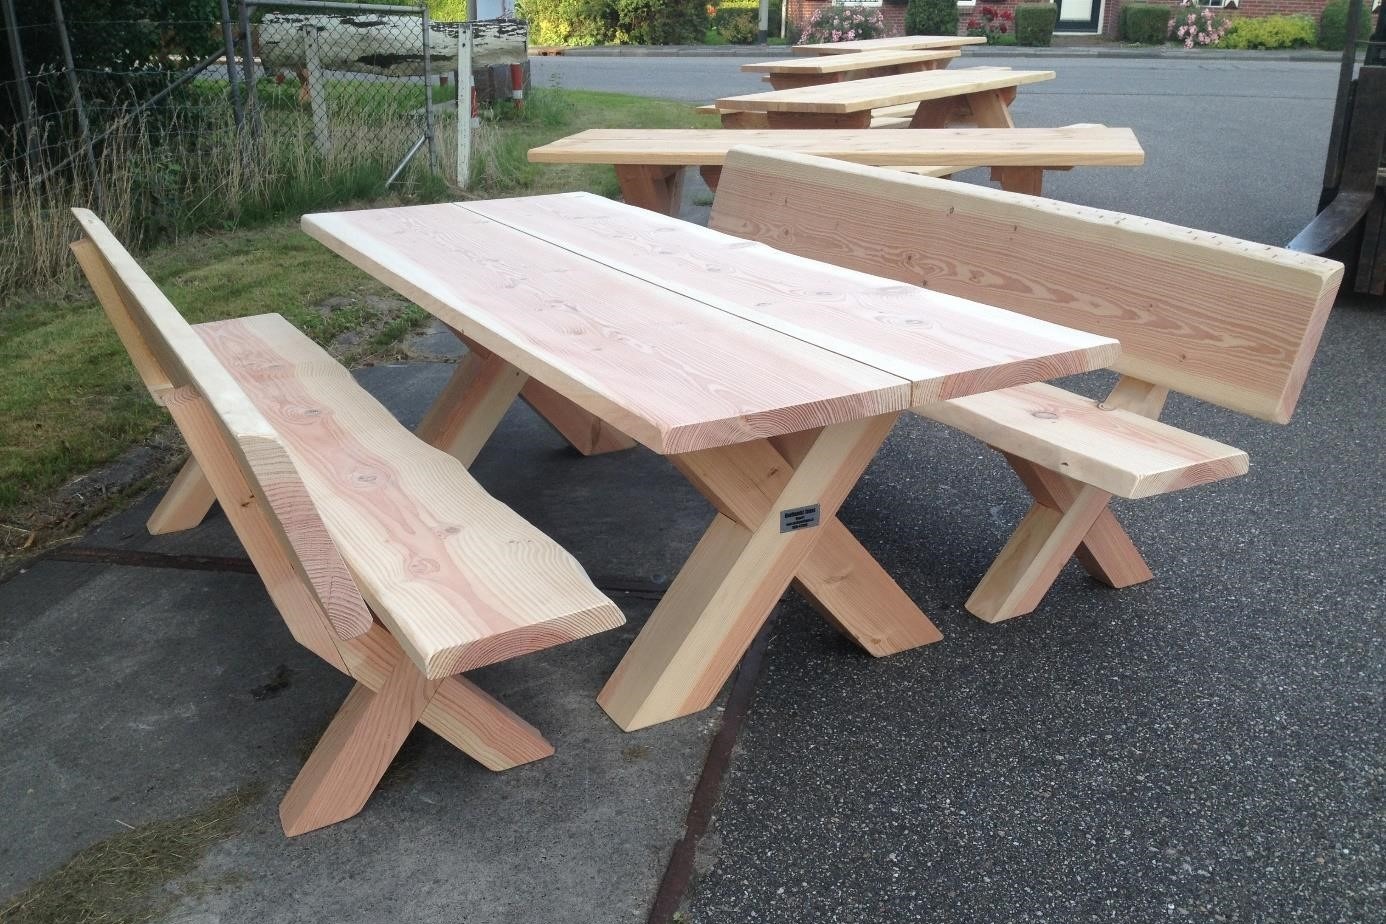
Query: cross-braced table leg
[[744, 562]]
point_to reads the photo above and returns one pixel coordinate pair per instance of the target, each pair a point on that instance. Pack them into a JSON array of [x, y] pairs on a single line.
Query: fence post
[[83, 126], [248, 67], [21, 77], [317, 90], [229, 39], [464, 105], [428, 89]]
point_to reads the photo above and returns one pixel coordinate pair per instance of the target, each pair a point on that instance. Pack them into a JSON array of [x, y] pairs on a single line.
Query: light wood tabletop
[[931, 99], [881, 44], [649, 162], [770, 380]]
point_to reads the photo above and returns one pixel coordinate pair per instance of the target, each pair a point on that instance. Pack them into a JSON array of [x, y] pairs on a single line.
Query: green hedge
[[1333, 25], [1145, 23], [1264, 32], [738, 21], [931, 17], [598, 22], [1034, 23]]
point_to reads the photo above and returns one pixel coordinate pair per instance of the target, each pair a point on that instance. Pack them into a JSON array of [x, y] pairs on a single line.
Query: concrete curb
[[1008, 51]]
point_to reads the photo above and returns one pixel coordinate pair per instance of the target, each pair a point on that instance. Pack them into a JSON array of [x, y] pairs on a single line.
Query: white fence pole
[[464, 105], [317, 90]]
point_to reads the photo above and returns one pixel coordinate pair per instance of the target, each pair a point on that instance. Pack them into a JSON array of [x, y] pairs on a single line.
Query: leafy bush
[[1332, 25], [1034, 23], [1272, 32], [931, 17], [568, 22], [738, 21], [1144, 23], [1197, 25], [996, 25], [597, 22], [844, 24], [660, 22]]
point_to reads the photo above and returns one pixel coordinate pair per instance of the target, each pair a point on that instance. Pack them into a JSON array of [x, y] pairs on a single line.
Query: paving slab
[[134, 694]]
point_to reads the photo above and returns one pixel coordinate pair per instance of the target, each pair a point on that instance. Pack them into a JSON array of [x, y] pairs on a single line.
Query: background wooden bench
[[986, 92], [785, 74], [885, 44], [649, 162], [1225, 320], [349, 519]]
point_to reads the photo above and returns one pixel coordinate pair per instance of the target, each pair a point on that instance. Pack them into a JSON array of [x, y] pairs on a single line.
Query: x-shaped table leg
[[747, 558]]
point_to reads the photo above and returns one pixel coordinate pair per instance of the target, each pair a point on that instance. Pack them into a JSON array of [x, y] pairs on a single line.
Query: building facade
[[1078, 17]]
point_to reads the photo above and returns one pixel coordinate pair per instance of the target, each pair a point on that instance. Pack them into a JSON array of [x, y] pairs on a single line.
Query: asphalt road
[[1232, 146]]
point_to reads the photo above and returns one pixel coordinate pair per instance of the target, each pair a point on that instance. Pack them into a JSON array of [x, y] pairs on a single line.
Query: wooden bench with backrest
[[1224, 320], [382, 554]]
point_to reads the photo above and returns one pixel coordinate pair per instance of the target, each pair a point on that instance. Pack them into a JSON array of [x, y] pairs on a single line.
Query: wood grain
[[615, 345], [1225, 320], [944, 346], [1123, 453], [459, 578], [858, 95], [982, 147]]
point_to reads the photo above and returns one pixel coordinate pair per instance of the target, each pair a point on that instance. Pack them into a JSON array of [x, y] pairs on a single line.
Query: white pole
[[317, 89], [464, 104]]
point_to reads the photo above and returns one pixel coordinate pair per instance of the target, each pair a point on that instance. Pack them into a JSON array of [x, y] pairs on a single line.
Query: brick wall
[[801, 10]]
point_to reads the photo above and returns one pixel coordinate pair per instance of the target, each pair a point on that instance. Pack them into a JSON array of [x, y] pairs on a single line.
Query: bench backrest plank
[[862, 61], [875, 92], [908, 147], [1225, 320], [242, 456]]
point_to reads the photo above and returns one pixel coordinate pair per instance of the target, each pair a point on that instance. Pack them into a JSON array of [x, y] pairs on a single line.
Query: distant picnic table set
[[766, 356]]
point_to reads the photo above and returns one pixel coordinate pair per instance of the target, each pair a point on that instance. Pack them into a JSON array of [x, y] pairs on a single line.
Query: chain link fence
[[169, 126]]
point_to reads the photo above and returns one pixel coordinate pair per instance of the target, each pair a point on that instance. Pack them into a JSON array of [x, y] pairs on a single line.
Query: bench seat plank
[[1072, 146], [1118, 451], [460, 579], [875, 92], [882, 44], [933, 340]]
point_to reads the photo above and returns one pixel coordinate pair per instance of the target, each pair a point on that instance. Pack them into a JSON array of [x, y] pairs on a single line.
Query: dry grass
[[119, 880]]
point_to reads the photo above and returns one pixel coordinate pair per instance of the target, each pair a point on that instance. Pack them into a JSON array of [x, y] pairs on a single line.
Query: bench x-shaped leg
[[1068, 519], [391, 695], [746, 559]]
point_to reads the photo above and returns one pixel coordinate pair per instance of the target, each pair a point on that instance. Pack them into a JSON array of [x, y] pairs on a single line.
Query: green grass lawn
[[70, 399]]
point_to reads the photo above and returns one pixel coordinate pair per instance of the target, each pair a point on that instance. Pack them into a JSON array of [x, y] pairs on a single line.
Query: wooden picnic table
[[986, 92], [885, 44], [785, 74], [649, 162], [769, 380]]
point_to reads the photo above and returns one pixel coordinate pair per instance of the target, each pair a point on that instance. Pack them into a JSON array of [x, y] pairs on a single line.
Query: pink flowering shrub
[[993, 24], [1197, 26], [844, 24]]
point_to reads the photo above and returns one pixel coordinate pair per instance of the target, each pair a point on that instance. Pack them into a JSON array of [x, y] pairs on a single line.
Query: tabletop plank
[[875, 92], [945, 346], [837, 64], [899, 41], [905, 147], [668, 370]]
